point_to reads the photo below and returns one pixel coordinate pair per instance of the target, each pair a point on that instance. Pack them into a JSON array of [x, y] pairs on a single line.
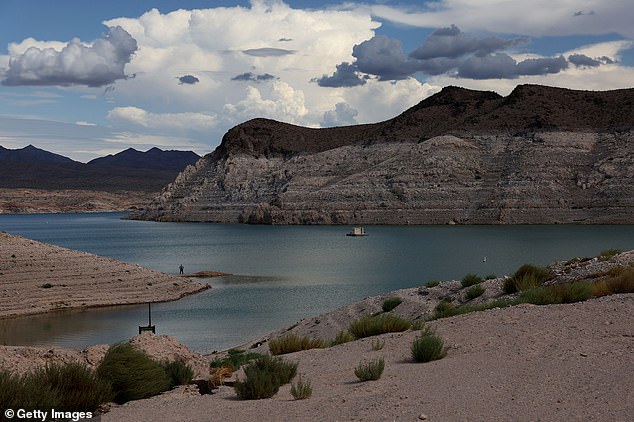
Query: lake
[[282, 273]]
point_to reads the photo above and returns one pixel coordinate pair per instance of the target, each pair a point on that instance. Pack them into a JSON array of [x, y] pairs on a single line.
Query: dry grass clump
[[378, 324], [621, 281], [294, 343], [474, 291], [391, 303], [370, 371], [428, 347], [528, 276], [302, 389], [343, 336], [470, 280]]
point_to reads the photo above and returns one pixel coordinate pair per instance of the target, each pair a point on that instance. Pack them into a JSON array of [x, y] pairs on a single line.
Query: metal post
[[149, 313]]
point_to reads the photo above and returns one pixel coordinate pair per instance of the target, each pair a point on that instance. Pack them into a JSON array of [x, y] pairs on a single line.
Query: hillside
[[539, 155]]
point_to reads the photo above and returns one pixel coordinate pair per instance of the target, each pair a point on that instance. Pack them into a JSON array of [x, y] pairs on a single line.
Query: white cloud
[[162, 122], [536, 17]]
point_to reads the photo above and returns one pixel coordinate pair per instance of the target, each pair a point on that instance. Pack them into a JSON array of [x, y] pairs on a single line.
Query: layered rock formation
[[539, 155]]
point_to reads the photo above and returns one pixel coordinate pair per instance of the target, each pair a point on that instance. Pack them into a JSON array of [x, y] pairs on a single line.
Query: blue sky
[[85, 79]]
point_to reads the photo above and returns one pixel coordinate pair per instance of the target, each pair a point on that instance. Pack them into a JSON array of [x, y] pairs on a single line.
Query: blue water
[[282, 273]]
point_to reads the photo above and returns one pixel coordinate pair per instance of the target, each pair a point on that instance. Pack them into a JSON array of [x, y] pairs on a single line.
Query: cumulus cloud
[[342, 115], [162, 121], [581, 60], [97, 64], [501, 65], [188, 79], [279, 101], [250, 76]]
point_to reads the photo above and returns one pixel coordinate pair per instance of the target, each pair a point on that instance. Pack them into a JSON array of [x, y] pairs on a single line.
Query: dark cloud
[[250, 76], [503, 66], [188, 79], [581, 60], [452, 43], [446, 51], [267, 51], [346, 75], [384, 57], [99, 64], [342, 115]]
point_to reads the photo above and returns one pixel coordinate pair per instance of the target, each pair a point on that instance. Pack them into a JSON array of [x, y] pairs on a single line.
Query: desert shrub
[[623, 282], [178, 372], [379, 324], [474, 291], [378, 344], [608, 254], [343, 336], [294, 343], [217, 376], [490, 277], [470, 280], [558, 293], [234, 359], [432, 283], [26, 392], [444, 309], [427, 347], [391, 303], [264, 376], [77, 386], [526, 277], [132, 373], [301, 389], [370, 371]]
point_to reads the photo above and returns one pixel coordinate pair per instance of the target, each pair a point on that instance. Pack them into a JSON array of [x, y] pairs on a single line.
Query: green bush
[[432, 283], [302, 389], [294, 343], [391, 303], [264, 376], [526, 277], [26, 392], [490, 277], [370, 371], [474, 291], [234, 359], [132, 373], [444, 309], [428, 347], [343, 336], [178, 372], [77, 386], [608, 254], [379, 324], [558, 293], [470, 280]]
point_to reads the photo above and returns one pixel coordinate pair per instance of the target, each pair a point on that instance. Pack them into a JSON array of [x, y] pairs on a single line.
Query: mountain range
[[539, 155], [131, 170]]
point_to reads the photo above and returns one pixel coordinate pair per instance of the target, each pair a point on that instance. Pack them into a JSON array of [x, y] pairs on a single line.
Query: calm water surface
[[283, 273]]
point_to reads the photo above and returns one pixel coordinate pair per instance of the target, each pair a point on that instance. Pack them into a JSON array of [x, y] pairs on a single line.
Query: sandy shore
[[36, 277], [524, 363]]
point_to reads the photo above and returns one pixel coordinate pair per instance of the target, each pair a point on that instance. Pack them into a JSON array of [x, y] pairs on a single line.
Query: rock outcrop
[[540, 155]]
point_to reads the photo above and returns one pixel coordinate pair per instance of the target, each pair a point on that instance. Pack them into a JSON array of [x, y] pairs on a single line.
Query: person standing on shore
[[181, 268]]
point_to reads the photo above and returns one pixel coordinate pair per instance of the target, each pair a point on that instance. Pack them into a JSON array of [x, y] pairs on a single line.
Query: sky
[[86, 79]]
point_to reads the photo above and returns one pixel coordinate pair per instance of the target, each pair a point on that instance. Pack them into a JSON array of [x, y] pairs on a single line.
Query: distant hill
[[34, 168], [540, 155]]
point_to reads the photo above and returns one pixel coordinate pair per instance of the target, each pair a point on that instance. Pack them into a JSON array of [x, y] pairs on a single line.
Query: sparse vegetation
[[378, 344], [234, 359], [470, 280], [608, 254], [302, 389], [432, 283], [343, 336], [370, 371], [379, 324], [178, 372], [428, 347], [264, 376], [526, 277], [474, 291], [132, 374], [391, 303], [26, 392], [490, 277], [290, 343]]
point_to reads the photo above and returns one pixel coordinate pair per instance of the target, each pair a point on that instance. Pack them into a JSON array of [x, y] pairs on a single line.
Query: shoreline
[[37, 278]]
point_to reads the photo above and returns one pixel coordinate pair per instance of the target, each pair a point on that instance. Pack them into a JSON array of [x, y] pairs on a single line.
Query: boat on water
[[357, 231]]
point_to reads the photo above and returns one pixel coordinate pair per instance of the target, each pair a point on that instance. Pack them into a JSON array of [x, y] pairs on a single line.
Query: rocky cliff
[[539, 155]]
